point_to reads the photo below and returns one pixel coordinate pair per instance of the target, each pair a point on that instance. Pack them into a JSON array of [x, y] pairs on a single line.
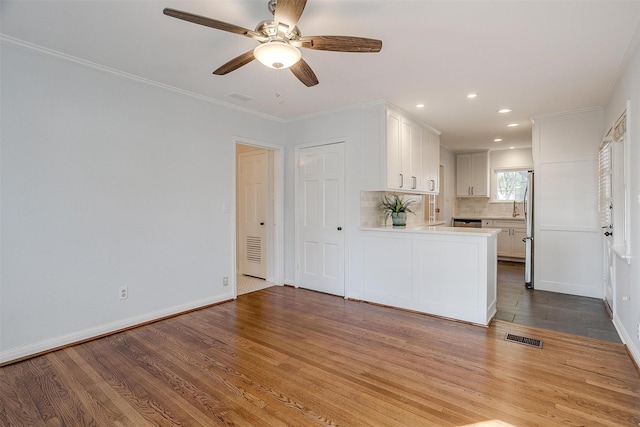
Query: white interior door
[[605, 208], [252, 212], [609, 274], [321, 217]]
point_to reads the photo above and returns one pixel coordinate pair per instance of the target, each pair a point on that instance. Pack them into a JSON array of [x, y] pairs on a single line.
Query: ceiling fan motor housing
[[269, 29]]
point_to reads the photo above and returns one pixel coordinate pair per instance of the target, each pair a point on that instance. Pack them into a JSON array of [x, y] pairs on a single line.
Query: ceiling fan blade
[[235, 63], [213, 23], [304, 73], [339, 43], [288, 12]]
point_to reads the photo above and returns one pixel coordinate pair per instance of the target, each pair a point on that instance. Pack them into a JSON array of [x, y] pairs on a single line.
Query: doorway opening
[[258, 219]]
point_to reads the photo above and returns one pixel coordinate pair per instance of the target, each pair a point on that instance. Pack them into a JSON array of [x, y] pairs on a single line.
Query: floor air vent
[[524, 340]]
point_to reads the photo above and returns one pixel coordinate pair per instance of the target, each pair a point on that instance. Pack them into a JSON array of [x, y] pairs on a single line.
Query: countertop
[[437, 229]]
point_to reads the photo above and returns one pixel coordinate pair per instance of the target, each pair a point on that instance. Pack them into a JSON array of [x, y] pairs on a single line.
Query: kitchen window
[[510, 185]]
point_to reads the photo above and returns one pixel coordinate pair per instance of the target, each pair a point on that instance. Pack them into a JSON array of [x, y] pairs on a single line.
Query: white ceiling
[[535, 57]]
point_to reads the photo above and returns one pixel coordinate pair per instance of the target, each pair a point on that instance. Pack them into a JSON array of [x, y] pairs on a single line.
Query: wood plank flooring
[[292, 357], [572, 314]]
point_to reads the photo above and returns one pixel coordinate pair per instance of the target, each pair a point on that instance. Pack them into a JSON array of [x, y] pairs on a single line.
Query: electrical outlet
[[123, 292], [225, 281]]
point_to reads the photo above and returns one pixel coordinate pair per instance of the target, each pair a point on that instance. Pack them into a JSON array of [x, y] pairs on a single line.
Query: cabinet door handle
[[472, 191], [433, 184], [414, 180], [401, 180]]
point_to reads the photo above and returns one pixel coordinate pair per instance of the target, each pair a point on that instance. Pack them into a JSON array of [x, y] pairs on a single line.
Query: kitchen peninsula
[[443, 271]]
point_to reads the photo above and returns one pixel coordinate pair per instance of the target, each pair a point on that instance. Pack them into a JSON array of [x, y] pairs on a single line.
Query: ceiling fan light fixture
[[277, 54]]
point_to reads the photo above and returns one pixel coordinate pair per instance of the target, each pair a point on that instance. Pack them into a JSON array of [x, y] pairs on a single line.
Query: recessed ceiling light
[[497, 140], [504, 110], [472, 95], [420, 105], [512, 147], [512, 125]]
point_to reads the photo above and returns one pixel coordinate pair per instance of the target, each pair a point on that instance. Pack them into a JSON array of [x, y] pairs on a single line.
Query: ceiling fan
[[280, 39]]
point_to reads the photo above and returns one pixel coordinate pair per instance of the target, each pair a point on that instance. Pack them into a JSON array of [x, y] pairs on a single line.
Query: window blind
[[605, 199]]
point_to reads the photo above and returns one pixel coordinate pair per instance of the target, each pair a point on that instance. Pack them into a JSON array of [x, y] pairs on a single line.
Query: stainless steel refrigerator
[[528, 240]]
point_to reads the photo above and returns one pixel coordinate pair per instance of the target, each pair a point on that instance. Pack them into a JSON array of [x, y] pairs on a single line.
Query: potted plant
[[396, 207]]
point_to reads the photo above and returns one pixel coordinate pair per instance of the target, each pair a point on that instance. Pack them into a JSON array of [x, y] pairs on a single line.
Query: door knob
[[339, 228]]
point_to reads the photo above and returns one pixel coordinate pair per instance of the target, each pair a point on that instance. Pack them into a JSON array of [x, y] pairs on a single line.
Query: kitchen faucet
[[515, 210]]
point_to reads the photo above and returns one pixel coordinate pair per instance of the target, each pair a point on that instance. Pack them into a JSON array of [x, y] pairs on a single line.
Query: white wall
[[511, 159], [627, 316], [109, 182], [567, 238]]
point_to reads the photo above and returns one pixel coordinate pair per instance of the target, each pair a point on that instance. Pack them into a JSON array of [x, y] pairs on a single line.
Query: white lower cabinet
[[510, 243]]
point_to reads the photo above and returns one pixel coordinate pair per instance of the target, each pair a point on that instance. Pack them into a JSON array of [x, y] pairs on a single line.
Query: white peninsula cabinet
[[401, 154], [443, 271], [472, 174]]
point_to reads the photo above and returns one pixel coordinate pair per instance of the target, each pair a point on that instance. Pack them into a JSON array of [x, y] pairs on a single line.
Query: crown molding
[[12, 41]]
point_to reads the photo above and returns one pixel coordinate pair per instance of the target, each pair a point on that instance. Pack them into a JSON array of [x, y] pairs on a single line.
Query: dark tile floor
[[572, 314]]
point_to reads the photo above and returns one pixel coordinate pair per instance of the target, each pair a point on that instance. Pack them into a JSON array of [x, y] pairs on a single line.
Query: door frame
[[275, 246], [298, 216]]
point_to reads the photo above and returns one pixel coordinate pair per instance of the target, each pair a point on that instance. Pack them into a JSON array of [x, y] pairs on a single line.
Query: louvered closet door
[[253, 213]]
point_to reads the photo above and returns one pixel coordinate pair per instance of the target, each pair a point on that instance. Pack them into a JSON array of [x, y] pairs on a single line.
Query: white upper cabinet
[[472, 174], [431, 161], [400, 153]]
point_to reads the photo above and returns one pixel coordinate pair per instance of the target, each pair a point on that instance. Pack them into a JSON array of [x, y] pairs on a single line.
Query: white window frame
[[614, 202], [621, 186], [494, 181]]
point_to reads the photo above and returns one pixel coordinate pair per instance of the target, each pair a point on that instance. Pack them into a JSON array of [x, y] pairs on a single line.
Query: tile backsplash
[[370, 215], [481, 207]]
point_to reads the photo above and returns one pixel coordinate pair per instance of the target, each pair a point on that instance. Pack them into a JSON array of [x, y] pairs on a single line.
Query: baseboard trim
[[632, 350], [19, 354]]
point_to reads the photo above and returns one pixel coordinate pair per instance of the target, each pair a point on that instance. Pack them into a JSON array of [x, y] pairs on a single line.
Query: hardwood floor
[[290, 357]]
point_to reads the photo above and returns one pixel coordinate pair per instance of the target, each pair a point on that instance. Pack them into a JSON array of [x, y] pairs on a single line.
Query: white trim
[[568, 228], [98, 331], [626, 339], [53, 53], [562, 114], [513, 169], [387, 104]]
